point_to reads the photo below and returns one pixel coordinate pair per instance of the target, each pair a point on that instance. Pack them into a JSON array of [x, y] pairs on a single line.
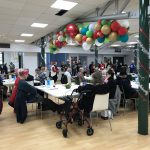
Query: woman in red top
[[15, 88]]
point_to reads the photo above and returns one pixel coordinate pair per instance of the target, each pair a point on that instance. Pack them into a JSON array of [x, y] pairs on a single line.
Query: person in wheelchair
[[98, 87]]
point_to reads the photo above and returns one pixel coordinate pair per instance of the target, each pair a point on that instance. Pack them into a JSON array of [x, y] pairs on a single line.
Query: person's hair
[[110, 72], [123, 71], [97, 77]]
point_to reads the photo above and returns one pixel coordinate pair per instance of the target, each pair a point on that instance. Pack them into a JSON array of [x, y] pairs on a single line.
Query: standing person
[[5, 69], [132, 67], [68, 74], [74, 68], [78, 65], [101, 66], [62, 67], [91, 67], [54, 71]]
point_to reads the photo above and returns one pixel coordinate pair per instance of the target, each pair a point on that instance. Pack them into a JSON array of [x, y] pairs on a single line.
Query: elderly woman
[[25, 92], [86, 103]]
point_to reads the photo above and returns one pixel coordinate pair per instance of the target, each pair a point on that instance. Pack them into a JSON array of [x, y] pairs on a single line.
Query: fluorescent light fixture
[[39, 25], [115, 45], [132, 43], [19, 41], [136, 36], [26, 34], [61, 4]]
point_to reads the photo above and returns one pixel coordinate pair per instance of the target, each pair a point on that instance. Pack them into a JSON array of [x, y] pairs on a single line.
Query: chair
[[126, 101], [101, 104]]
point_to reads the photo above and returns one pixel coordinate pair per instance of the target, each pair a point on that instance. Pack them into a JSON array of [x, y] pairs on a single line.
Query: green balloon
[[104, 22], [89, 33], [64, 29], [108, 23], [106, 40]]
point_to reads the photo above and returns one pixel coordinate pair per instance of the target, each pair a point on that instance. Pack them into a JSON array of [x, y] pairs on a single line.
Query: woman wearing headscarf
[[25, 93]]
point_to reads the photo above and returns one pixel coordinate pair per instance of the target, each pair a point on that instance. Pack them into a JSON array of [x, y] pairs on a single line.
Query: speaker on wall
[[4, 45]]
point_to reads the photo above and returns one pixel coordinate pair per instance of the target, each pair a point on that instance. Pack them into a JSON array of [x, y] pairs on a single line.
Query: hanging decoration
[[85, 34]]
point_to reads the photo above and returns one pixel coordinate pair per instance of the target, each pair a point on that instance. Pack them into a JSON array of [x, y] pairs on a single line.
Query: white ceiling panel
[[16, 16]]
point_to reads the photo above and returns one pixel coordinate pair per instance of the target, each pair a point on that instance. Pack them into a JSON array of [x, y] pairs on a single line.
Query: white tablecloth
[[135, 85], [58, 91], [10, 82]]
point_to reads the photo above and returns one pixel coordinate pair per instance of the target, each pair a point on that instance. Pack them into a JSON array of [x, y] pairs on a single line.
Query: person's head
[[42, 69], [37, 71], [97, 77], [110, 73], [81, 70], [132, 61], [123, 71], [23, 73]]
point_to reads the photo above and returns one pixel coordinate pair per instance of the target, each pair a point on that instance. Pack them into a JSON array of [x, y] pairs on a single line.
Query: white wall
[[30, 54], [30, 62]]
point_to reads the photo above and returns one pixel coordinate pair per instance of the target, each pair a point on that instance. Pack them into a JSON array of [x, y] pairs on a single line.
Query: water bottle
[[48, 83]]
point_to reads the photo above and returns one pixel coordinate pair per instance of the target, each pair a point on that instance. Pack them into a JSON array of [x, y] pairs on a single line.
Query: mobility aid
[[70, 112]]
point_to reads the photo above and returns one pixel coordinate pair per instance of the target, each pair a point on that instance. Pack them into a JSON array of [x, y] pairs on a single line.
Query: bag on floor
[[1, 105], [106, 114]]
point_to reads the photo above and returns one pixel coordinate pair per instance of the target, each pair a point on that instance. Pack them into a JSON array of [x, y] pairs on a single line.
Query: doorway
[[118, 60]]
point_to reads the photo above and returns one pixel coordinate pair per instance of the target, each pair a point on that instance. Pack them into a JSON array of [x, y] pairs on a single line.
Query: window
[[1, 57]]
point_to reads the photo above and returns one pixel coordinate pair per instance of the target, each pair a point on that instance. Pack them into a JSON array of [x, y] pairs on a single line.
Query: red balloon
[[115, 26], [58, 44], [80, 43], [95, 35], [99, 21], [84, 38], [72, 28], [122, 31], [72, 35], [100, 34], [64, 43]]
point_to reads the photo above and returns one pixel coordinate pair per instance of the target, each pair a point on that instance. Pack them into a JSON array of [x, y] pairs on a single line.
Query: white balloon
[[86, 46], [60, 38], [97, 43], [124, 23], [91, 26]]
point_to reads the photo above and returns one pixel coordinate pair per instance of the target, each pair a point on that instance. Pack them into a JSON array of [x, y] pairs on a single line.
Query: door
[[118, 60], [83, 60]]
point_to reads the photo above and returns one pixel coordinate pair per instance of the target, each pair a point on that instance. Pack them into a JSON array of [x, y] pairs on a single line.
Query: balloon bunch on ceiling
[[103, 31]]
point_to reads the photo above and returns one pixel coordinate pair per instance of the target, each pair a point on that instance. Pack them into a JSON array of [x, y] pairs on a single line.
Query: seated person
[[80, 75], [86, 103], [29, 77], [124, 83], [68, 74], [109, 80], [25, 92], [42, 76]]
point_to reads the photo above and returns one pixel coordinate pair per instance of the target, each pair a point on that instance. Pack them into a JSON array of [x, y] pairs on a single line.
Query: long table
[[135, 85], [59, 90]]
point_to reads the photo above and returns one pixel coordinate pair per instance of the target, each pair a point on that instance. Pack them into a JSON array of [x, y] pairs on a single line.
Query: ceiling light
[[61, 4], [137, 36], [39, 25], [132, 42], [115, 45], [19, 41], [26, 34]]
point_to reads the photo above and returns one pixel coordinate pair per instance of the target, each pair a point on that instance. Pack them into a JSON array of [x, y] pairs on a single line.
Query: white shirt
[[68, 76], [52, 72]]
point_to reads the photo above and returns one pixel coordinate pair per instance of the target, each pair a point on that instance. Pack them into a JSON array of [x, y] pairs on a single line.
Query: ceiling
[[16, 16]]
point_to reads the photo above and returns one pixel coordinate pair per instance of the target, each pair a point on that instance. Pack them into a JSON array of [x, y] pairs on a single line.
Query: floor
[[37, 134]]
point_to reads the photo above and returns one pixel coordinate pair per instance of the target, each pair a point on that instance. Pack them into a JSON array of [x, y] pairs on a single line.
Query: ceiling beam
[[106, 6], [109, 17], [126, 2]]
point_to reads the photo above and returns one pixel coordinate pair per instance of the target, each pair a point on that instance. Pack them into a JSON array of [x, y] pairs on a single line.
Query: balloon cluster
[[57, 41], [103, 31]]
